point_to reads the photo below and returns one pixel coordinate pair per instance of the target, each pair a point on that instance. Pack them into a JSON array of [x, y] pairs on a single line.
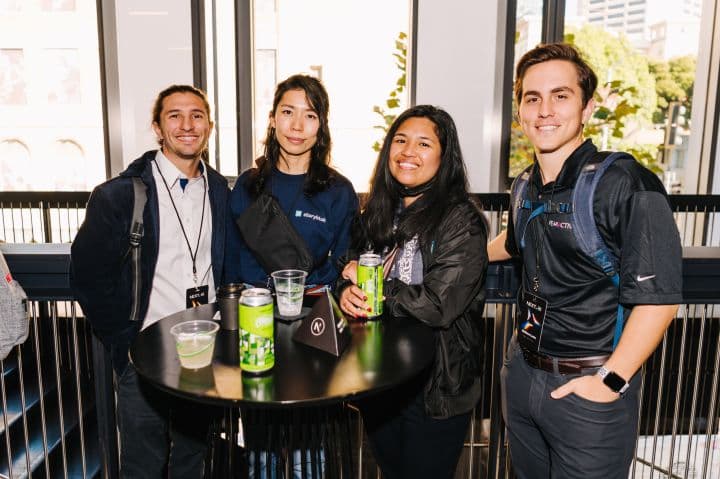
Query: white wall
[[460, 55]]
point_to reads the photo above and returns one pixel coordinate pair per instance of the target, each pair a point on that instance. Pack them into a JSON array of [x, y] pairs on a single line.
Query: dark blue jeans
[[160, 436], [564, 438], [407, 443]]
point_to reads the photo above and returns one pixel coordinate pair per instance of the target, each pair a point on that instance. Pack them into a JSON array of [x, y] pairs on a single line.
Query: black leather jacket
[[450, 299]]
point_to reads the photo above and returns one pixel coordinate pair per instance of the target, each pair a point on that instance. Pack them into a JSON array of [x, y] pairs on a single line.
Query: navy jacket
[[100, 272], [322, 220]]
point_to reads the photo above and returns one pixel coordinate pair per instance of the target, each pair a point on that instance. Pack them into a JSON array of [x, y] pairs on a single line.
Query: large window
[[645, 56], [51, 119], [355, 48], [528, 33], [13, 86], [358, 50]]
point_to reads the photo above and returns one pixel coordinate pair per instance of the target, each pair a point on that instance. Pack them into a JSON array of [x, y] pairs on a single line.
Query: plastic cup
[[195, 342], [289, 290]]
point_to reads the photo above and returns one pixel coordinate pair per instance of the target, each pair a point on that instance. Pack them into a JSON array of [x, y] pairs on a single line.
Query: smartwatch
[[613, 380]]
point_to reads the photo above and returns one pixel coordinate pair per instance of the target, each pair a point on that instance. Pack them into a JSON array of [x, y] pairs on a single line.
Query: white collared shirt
[[174, 268]]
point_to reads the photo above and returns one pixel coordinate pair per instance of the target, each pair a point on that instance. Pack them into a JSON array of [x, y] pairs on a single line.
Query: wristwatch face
[[613, 381]]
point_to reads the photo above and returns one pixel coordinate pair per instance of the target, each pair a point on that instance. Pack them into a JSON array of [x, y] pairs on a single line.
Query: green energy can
[[257, 342], [370, 280]]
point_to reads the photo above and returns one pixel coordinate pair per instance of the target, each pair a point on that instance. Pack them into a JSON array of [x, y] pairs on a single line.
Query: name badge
[[532, 318], [196, 296]]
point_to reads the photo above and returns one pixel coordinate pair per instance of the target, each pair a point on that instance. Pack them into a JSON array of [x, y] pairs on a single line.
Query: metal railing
[[60, 427], [41, 216], [48, 425], [54, 217], [58, 417]]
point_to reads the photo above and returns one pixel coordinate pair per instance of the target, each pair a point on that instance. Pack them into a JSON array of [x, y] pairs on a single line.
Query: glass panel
[[63, 76], [221, 89], [50, 95], [12, 77], [265, 80], [358, 50], [57, 5], [71, 162], [14, 165], [644, 53], [528, 34], [10, 5]]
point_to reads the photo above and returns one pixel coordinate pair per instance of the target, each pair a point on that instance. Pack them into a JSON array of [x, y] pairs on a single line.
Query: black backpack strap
[[137, 231], [519, 204]]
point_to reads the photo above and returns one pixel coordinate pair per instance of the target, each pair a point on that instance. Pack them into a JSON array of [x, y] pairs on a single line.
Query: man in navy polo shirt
[[570, 390]]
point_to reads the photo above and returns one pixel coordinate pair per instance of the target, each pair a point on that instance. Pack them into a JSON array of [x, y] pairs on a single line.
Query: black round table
[[381, 355]]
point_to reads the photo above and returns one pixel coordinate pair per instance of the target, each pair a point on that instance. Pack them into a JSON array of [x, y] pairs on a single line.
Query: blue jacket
[[100, 272]]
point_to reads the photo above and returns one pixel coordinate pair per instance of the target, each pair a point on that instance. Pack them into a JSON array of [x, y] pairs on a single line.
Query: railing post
[[497, 448], [502, 293], [105, 409], [47, 222]]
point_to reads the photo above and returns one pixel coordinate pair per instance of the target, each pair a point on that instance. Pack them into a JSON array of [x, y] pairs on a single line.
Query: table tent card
[[325, 327]]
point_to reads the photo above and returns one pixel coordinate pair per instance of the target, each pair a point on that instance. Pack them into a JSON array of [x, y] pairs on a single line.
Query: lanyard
[[539, 233], [193, 256]]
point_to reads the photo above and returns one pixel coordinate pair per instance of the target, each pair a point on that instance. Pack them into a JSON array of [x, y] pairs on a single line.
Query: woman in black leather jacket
[[419, 216]]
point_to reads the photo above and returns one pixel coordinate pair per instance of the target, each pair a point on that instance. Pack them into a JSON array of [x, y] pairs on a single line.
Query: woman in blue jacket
[[319, 201]]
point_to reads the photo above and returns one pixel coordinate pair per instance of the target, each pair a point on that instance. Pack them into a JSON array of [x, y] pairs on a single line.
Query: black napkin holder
[[325, 327]]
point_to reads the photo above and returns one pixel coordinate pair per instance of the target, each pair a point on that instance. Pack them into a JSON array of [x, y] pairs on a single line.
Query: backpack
[[14, 323], [582, 218], [137, 231]]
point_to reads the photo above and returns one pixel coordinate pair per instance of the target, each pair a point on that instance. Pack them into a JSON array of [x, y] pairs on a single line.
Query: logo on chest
[[310, 216], [562, 225]]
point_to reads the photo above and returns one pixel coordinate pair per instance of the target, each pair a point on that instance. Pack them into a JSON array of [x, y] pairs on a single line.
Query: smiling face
[[296, 127], [415, 152], [551, 110], [184, 128]]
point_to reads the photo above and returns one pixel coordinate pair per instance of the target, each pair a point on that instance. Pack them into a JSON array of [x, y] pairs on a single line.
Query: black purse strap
[[292, 203], [288, 213]]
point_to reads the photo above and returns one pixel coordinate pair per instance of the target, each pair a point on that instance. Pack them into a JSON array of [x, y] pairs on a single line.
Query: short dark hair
[[158, 106], [587, 80], [319, 173]]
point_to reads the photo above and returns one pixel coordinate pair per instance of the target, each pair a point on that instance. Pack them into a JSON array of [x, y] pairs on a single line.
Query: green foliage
[[521, 150], [613, 59], [674, 81], [616, 105], [390, 111]]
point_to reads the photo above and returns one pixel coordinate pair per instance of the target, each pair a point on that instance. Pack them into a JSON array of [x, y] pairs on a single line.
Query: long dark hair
[[319, 174], [423, 216]]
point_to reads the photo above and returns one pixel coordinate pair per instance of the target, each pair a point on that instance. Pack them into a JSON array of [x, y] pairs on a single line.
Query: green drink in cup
[[195, 342]]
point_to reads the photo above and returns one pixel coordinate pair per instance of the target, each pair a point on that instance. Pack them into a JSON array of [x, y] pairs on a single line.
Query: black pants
[[407, 443], [564, 438], [160, 436]]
